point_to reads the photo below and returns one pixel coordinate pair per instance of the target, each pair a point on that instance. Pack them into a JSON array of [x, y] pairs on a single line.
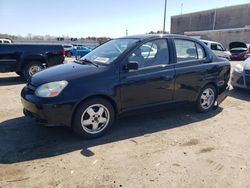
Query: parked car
[[27, 59], [68, 48], [89, 94], [80, 51], [239, 51], [5, 41], [241, 75], [218, 49]]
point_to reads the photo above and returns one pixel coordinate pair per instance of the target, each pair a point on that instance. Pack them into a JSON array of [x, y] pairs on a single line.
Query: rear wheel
[[69, 54], [31, 69], [206, 99], [93, 118]]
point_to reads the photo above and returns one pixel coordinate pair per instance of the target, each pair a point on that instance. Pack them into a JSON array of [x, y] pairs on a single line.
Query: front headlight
[[239, 68], [51, 89]]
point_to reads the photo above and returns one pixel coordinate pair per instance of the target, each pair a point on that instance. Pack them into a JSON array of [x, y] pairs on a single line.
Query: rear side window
[[188, 50]]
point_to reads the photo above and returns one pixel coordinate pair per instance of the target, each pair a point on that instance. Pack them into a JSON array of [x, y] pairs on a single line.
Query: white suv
[[218, 49]]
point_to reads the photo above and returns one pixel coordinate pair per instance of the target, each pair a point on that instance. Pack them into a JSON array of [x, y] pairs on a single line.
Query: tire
[[98, 115], [32, 68], [206, 99], [19, 73], [68, 54]]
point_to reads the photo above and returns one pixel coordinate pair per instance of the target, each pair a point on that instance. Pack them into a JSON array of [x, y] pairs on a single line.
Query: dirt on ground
[[174, 147]]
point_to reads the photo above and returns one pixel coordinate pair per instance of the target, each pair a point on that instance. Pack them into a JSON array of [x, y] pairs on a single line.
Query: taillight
[[63, 52]]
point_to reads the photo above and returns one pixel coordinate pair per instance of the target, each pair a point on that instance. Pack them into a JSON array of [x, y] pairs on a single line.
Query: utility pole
[[181, 8], [215, 15], [164, 23]]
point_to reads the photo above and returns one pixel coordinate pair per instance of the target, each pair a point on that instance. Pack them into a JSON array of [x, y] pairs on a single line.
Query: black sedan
[[126, 74]]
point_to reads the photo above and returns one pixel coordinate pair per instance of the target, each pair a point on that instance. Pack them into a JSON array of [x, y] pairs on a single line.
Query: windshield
[[109, 51]]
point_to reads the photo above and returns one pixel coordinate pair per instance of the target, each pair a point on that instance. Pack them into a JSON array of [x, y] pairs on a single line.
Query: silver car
[[241, 75], [218, 49]]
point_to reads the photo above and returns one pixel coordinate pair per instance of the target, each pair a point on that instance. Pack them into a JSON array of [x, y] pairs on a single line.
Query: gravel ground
[[174, 147]]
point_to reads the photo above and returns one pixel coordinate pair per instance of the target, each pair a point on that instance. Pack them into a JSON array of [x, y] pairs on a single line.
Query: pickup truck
[[27, 59]]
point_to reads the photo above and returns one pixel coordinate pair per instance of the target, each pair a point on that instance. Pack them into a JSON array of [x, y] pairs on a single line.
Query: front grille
[[247, 78], [247, 71]]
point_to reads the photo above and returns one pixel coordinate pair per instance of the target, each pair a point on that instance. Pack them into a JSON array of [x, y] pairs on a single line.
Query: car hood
[[246, 64], [68, 71], [237, 45]]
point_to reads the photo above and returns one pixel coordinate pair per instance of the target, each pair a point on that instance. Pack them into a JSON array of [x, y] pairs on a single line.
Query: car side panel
[[13, 57], [192, 77], [9, 57], [147, 86]]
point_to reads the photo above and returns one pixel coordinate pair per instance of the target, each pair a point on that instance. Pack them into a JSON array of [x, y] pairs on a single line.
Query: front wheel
[[93, 118], [206, 99]]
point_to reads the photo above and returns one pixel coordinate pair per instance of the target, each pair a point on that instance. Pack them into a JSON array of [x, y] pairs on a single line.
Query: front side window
[[188, 50], [151, 54], [110, 51]]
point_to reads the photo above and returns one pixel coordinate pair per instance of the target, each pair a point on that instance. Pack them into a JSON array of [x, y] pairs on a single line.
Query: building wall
[[225, 36], [222, 18]]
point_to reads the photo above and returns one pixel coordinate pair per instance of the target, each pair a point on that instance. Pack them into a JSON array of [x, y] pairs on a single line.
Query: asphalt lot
[[174, 147]]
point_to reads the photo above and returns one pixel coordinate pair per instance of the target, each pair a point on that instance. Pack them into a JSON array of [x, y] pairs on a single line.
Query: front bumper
[[48, 112], [240, 80]]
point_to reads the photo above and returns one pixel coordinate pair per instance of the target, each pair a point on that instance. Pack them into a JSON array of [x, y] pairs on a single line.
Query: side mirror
[[132, 65]]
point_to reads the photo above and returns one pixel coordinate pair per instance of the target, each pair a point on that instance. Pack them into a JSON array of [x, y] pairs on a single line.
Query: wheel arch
[[103, 96], [32, 58], [209, 83]]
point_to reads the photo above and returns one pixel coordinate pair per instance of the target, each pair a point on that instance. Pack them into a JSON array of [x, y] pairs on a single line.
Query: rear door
[[193, 69], [153, 82]]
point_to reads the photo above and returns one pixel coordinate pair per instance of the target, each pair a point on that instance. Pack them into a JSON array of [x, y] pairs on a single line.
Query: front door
[[153, 82]]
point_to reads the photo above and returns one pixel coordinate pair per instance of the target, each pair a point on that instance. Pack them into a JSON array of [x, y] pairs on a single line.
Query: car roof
[[149, 36], [209, 41]]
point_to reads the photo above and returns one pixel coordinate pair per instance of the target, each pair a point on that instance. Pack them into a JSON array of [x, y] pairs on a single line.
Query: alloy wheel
[[207, 98], [95, 118]]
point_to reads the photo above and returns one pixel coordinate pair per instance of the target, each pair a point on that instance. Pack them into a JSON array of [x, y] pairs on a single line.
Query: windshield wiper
[[86, 61]]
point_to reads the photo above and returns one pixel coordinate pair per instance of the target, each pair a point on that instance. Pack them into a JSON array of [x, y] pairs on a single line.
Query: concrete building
[[224, 25]]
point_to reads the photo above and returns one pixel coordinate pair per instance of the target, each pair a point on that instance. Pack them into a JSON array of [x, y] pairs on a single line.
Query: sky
[[83, 18]]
